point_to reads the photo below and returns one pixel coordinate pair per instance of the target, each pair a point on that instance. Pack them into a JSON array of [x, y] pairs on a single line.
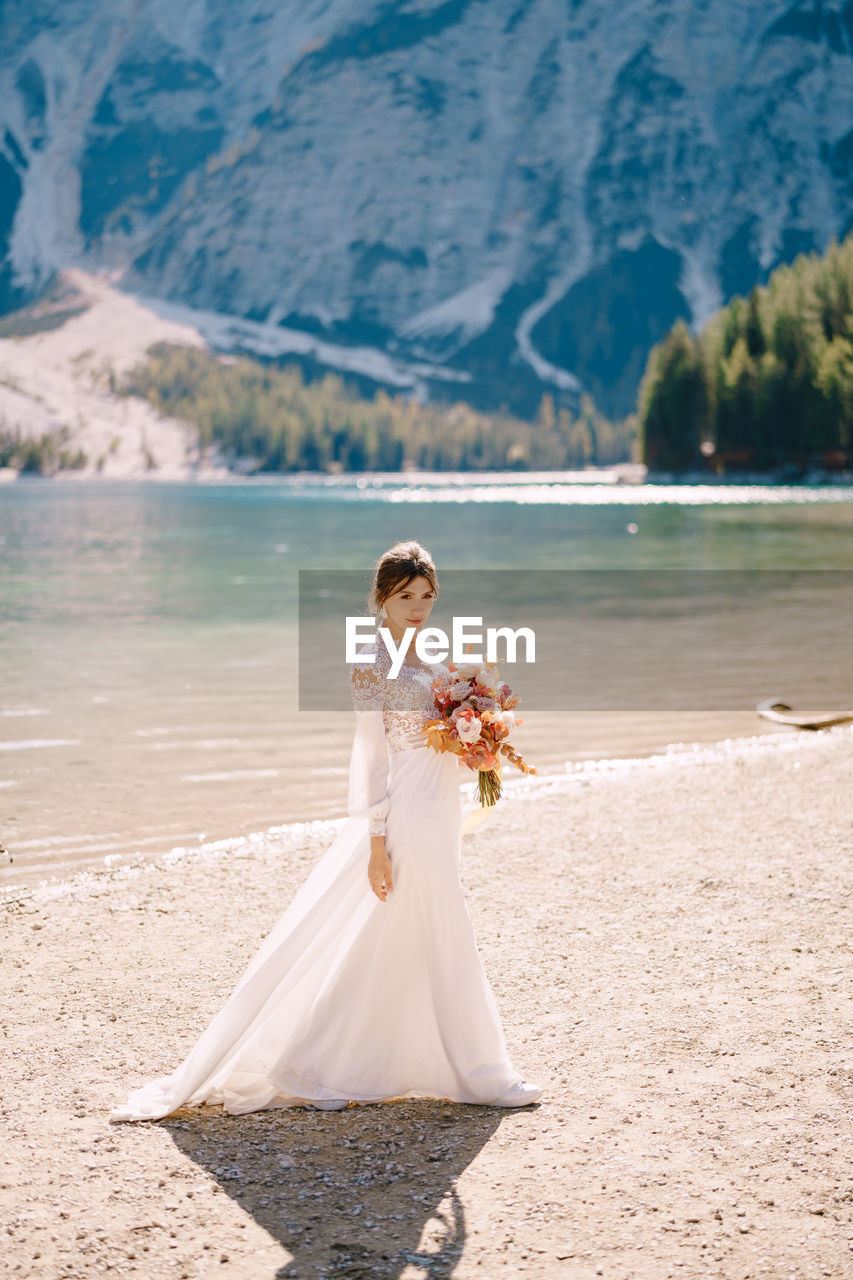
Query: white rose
[[467, 670], [469, 730], [507, 718], [489, 678], [460, 689]]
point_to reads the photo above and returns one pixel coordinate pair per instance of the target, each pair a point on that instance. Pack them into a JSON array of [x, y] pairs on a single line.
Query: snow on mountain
[[524, 193]]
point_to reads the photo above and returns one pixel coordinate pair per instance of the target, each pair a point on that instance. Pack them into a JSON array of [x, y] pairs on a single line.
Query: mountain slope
[[60, 380], [529, 193]]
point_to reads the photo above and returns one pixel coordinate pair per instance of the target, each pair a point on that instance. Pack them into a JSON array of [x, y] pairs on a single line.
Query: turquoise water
[[147, 632]]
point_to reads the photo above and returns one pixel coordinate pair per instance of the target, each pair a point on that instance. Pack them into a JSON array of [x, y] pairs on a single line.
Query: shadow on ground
[[359, 1193]]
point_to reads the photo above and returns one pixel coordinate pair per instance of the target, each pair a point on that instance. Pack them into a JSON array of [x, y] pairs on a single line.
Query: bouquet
[[477, 717]]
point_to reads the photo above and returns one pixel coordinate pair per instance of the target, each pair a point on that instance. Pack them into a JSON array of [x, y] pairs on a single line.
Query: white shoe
[[519, 1095], [329, 1104]]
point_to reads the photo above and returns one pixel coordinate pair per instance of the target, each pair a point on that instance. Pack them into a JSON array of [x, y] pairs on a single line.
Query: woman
[[368, 987]]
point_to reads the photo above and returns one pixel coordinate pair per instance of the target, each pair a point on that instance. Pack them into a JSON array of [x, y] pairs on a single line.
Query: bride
[[369, 986]]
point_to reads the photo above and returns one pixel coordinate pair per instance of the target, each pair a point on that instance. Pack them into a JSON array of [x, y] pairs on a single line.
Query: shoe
[[519, 1095], [329, 1104]]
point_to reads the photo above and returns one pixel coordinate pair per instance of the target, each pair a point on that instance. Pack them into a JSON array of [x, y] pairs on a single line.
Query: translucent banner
[[669, 639]]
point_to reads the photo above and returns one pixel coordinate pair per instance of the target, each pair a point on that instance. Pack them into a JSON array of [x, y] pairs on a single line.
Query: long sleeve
[[368, 771]]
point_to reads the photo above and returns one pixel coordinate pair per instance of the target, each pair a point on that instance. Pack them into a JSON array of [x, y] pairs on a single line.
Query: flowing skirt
[[352, 998]]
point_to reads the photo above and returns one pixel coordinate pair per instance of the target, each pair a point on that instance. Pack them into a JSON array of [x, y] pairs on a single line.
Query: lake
[[149, 640]]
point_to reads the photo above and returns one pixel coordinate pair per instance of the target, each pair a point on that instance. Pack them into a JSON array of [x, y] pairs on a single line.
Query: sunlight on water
[[150, 635], [564, 488], [616, 495]]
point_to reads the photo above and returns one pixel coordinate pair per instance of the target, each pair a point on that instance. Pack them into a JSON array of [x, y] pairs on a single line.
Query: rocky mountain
[[497, 196]]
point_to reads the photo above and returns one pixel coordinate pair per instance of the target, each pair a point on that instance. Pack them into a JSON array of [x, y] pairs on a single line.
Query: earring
[[382, 614]]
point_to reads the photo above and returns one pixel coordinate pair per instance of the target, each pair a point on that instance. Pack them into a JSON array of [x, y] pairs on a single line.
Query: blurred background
[[546, 286]]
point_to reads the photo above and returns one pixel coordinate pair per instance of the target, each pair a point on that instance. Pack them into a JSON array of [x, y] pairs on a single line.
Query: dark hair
[[398, 566]]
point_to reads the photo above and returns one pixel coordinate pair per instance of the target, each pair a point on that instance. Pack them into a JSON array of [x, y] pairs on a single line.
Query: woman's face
[[410, 606]]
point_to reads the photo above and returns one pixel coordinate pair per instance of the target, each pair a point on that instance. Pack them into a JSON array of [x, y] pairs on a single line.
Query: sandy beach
[[669, 945]]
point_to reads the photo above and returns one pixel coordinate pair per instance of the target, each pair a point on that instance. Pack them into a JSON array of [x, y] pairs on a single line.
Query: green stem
[[490, 787]]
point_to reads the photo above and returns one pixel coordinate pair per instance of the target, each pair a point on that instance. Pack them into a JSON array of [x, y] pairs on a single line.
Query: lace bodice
[[390, 715], [406, 702]]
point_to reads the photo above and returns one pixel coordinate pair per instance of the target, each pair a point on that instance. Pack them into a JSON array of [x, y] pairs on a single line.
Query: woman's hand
[[379, 868]]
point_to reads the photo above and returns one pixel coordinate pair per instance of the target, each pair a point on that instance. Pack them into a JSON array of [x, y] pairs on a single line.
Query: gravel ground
[[670, 948]]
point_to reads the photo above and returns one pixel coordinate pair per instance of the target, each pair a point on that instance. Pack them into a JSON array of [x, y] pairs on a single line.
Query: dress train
[[350, 998]]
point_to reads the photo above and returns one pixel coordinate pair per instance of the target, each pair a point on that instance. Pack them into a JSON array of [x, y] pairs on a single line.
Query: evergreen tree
[[768, 382], [269, 418], [672, 403]]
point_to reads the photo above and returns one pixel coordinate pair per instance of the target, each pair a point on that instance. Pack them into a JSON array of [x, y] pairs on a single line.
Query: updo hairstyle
[[397, 567]]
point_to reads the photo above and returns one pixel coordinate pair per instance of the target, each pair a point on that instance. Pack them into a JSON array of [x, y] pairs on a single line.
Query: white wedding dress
[[350, 998]]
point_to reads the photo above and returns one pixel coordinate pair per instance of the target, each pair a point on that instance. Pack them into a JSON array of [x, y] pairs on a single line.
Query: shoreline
[[669, 950], [556, 780], [62, 381], [623, 475]]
